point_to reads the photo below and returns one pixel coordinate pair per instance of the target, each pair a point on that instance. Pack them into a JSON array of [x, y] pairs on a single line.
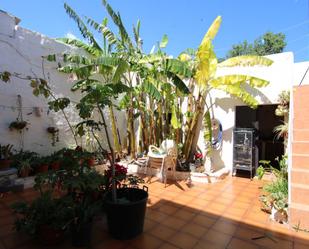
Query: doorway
[[263, 120]]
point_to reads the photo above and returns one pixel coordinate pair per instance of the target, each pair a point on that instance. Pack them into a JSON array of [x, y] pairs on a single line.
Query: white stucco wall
[[21, 51]]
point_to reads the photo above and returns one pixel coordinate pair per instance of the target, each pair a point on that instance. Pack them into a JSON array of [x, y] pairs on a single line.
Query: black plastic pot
[[81, 235], [125, 218]]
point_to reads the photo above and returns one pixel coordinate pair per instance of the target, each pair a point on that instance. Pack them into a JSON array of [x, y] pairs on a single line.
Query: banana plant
[[204, 65]]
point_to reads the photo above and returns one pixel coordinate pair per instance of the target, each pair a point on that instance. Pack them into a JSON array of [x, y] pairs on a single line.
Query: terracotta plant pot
[[49, 235], [25, 172], [5, 163], [55, 165], [42, 168]]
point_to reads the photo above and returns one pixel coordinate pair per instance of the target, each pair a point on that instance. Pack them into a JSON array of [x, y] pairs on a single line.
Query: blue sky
[[185, 22]]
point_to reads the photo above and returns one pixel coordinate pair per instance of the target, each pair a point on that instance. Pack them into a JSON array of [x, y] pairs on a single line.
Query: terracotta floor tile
[[300, 246], [204, 221], [221, 215], [226, 227], [194, 229], [216, 237], [146, 241], [203, 244], [185, 214], [162, 232], [173, 223], [156, 215], [168, 246], [238, 244], [149, 224], [167, 209], [183, 240]]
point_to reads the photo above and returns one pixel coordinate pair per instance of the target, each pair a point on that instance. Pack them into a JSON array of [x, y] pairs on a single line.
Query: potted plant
[[5, 156], [23, 161], [83, 211], [126, 214], [55, 161], [54, 131], [18, 124], [45, 218], [42, 164]]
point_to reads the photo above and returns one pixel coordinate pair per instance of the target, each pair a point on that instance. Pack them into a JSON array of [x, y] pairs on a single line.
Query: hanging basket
[[52, 130], [18, 125]]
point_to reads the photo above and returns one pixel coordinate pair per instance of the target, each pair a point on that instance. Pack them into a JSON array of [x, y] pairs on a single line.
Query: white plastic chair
[[164, 158]]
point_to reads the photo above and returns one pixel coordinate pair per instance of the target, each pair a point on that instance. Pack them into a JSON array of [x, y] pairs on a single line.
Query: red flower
[[198, 155]]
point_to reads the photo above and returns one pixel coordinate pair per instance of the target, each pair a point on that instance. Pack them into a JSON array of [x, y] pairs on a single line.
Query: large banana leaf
[[118, 22], [246, 60], [213, 29], [206, 57], [107, 33], [180, 85], [79, 44], [136, 32], [150, 88], [82, 27], [80, 71], [178, 67], [164, 41], [240, 93], [174, 120], [77, 59], [207, 64], [238, 79], [121, 68]]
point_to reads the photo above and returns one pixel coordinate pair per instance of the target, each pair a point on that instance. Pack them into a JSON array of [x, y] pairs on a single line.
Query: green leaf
[[178, 67], [180, 85], [51, 57], [150, 88], [59, 104], [82, 84], [164, 41], [174, 120], [79, 44], [107, 33], [5, 76], [122, 67]]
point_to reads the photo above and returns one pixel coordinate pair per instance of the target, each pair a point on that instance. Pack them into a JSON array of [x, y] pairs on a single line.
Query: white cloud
[[70, 35]]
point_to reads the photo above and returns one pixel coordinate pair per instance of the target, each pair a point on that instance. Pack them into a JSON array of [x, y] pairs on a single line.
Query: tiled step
[[300, 147], [301, 101], [300, 193], [301, 122], [299, 214], [300, 176], [300, 161], [301, 135]]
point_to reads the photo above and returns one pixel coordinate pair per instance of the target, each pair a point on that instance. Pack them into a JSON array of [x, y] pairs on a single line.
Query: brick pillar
[[299, 179]]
